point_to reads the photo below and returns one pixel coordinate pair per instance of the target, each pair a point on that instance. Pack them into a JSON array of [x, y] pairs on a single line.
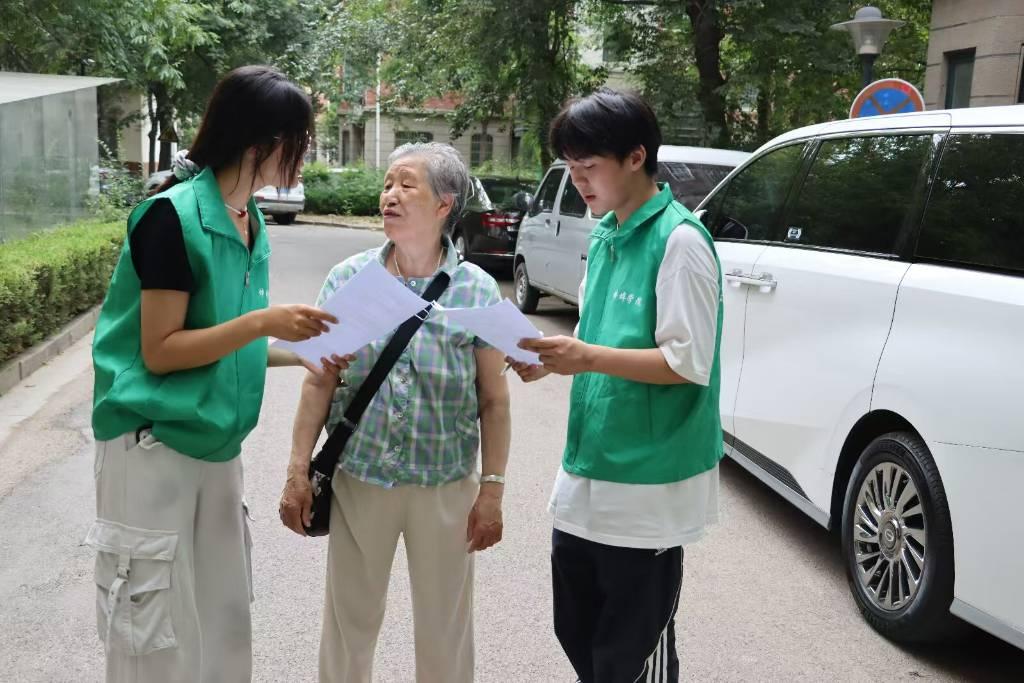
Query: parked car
[[155, 180], [871, 353], [281, 203], [487, 231], [554, 237]]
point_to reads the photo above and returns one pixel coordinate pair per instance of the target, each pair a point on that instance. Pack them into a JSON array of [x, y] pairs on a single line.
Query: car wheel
[[461, 247], [284, 218], [527, 296], [898, 541]]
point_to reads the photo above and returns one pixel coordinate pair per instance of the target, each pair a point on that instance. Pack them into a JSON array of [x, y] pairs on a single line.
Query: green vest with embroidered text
[[204, 412], [632, 432]]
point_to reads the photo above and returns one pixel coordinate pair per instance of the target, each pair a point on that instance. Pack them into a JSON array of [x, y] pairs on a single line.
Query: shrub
[[315, 171], [119, 189], [354, 191], [48, 278]]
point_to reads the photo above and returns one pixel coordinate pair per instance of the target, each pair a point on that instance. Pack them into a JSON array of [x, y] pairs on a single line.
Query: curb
[[309, 219], [21, 367]]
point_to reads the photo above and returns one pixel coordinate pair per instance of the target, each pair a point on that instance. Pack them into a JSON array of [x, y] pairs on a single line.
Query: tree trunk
[[152, 132], [764, 112], [707, 40], [165, 117], [546, 113]]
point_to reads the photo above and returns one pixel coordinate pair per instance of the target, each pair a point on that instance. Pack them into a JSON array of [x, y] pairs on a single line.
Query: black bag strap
[[327, 459]]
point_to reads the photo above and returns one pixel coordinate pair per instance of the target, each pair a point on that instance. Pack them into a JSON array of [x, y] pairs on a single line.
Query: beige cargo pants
[[173, 570]]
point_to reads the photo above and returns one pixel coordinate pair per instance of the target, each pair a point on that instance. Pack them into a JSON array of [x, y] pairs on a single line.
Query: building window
[[481, 149], [959, 73], [405, 136]]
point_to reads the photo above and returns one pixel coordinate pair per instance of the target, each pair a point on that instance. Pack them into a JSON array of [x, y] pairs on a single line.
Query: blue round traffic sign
[[887, 96]]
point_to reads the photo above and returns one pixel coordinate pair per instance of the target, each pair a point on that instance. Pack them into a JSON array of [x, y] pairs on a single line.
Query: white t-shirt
[[658, 515]]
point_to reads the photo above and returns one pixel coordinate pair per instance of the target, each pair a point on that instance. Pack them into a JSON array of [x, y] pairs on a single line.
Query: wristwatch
[[492, 479]]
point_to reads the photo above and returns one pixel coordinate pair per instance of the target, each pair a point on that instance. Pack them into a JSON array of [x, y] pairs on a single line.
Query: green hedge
[[48, 278], [356, 191]]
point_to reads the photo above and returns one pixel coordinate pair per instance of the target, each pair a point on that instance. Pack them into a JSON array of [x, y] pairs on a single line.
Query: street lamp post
[[869, 32]]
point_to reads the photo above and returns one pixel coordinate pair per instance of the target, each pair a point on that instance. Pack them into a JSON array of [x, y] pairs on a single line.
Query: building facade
[[975, 54], [496, 140]]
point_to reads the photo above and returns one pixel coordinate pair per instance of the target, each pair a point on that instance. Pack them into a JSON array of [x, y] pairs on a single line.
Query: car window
[[690, 183], [748, 207], [976, 212], [501, 191], [859, 192], [548, 192], [572, 203]]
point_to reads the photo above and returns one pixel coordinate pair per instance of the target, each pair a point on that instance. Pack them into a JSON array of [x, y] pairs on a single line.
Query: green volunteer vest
[[204, 412], [630, 432]]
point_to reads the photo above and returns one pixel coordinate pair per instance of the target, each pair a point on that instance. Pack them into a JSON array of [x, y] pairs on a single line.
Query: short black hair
[[606, 123]]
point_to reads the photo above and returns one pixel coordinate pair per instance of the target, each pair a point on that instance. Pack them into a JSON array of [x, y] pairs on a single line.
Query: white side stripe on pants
[[656, 666]]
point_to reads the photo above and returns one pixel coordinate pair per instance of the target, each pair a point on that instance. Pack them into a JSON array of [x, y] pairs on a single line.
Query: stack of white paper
[[371, 305], [502, 326], [374, 303]]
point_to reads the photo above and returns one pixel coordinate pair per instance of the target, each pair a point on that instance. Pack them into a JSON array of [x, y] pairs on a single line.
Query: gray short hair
[[446, 173]]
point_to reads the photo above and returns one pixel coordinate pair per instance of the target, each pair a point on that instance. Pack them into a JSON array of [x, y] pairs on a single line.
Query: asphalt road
[[764, 599]]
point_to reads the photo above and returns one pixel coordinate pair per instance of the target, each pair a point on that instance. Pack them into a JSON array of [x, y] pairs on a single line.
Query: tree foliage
[[729, 73]]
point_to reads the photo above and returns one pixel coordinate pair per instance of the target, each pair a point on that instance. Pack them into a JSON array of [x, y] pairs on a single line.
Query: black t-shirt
[[158, 249]]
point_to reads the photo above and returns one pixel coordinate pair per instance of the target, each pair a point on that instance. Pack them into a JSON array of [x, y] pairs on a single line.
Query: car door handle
[[765, 282], [558, 225]]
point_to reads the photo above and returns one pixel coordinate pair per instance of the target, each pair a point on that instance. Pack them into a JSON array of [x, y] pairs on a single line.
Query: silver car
[[281, 203], [554, 236]]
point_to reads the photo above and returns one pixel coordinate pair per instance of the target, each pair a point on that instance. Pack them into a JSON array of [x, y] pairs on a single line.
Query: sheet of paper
[[371, 305], [501, 325]]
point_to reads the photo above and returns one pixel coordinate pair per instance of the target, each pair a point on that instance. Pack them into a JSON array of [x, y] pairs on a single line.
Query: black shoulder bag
[[325, 463]]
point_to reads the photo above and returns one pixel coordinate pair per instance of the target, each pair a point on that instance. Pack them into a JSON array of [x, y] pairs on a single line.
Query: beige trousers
[[366, 521], [173, 571]]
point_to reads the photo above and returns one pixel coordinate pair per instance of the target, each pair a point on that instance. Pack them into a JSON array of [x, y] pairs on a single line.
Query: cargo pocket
[[133, 581]]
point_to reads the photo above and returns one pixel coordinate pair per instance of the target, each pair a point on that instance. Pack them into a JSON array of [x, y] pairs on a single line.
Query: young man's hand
[[562, 355]]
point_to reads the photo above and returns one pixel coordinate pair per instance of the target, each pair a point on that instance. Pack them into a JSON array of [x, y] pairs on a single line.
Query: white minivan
[[554, 236], [872, 353]]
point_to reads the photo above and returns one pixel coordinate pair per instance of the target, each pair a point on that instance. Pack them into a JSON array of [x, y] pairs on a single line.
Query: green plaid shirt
[[422, 426]]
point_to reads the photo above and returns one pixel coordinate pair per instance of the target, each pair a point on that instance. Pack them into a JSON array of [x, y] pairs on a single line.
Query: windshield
[[501, 190], [690, 183]]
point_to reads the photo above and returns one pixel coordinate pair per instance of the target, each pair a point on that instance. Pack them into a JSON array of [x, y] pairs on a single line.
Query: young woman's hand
[[294, 322]]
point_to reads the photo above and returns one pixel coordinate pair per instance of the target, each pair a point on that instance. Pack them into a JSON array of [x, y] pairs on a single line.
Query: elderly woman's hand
[[331, 367], [296, 501], [527, 372], [485, 525]]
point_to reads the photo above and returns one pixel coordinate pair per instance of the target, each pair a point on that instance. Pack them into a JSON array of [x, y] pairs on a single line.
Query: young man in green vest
[[639, 477]]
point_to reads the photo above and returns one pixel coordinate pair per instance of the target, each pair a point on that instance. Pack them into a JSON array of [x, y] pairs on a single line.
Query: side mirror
[[521, 201]]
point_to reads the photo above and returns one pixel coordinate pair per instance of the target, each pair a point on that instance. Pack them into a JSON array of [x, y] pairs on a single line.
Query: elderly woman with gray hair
[[410, 469]]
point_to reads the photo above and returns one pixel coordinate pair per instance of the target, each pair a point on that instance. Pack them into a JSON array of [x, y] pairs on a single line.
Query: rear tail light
[[499, 223]]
